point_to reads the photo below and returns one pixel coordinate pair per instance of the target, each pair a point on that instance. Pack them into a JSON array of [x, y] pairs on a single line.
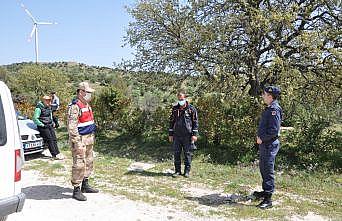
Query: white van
[[11, 157]]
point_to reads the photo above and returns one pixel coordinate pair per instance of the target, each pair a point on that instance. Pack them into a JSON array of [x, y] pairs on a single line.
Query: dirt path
[[50, 199]]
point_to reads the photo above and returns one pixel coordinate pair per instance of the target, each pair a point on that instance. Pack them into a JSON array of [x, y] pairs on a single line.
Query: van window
[[3, 134]]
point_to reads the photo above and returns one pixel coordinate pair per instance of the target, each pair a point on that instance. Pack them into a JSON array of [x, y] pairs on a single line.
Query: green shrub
[[132, 121], [228, 127], [312, 145], [109, 107]]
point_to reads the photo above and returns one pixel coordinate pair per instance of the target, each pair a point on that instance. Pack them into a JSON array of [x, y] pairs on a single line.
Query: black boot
[[177, 171], [258, 195], [187, 173], [86, 188], [77, 194], [267, 202]]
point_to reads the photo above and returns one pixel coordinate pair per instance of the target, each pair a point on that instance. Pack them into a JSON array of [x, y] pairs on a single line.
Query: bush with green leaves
[[147, 116], [132, 121], [34, 81], [109, 107], [227, 126], [31, 81], [314, 144]]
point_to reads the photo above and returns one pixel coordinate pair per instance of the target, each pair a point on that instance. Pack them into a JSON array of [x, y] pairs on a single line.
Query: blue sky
[[88, 31]]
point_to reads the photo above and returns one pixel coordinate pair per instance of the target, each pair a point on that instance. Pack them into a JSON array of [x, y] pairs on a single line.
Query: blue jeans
[[182, 144], [268, 154]]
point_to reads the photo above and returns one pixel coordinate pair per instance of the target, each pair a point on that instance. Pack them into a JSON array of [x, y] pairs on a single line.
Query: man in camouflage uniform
[[81, 128]]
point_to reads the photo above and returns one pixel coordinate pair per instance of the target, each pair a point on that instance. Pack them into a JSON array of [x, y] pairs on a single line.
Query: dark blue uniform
[[269, 131], [183, 125]]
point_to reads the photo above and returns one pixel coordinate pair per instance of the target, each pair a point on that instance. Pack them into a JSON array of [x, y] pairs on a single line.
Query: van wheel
[[3, 218]]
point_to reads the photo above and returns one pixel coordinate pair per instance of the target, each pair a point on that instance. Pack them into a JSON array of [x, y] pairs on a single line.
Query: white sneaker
[[59, 157]]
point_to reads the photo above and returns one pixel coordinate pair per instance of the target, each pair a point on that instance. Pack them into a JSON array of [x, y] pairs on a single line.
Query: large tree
[[256, 41]]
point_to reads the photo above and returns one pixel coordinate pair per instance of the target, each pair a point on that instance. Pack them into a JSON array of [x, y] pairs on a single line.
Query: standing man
[[81, 128], [183, 132], [42, 117], [54, 106], [268, 134]]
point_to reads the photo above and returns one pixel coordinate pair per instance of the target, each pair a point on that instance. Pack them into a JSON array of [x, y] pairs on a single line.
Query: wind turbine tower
[[34, 31]]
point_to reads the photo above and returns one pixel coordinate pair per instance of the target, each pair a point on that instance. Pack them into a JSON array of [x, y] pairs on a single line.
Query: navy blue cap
[[272, 90]]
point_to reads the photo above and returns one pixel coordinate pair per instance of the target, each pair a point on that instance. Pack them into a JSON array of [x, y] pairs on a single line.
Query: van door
[[7, 142]]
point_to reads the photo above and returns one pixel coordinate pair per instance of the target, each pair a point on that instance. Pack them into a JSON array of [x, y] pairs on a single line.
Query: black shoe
[[77, 194], [176, 174], [267, 202], [186, 174], [86, 188], [258, 195]]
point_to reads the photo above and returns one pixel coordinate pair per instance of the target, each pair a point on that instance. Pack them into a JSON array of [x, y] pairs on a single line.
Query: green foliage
[[228, 126], [147, 116], [29, 82], [133, 121], [34, 81], [109, 105], [3, 74], [159, 121], [116, 109], [313, 145]]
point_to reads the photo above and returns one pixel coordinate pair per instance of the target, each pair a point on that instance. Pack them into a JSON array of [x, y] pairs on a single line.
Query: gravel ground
[[50, 199]]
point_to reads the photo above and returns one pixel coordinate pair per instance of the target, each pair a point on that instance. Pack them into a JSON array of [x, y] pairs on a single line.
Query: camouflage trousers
[[83, 159]]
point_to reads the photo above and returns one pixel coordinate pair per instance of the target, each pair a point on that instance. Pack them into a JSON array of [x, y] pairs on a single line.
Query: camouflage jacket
[[74, 113]]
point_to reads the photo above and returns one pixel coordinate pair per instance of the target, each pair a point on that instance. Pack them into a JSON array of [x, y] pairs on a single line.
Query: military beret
[[272, 90]]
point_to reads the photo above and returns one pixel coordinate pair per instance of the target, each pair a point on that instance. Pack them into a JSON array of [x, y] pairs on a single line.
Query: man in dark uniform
[[183, 132], [268, 134]]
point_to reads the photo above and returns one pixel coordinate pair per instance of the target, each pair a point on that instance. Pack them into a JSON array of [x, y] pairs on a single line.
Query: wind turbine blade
[[32, 32], [45, 23], [28, 12]]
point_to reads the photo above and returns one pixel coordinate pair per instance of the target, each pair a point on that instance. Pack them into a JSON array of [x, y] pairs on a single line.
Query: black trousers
[[268, 153], [49, 136], [182, 144]]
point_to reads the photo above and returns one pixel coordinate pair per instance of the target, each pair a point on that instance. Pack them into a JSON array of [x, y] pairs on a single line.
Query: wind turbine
[[35, 28]]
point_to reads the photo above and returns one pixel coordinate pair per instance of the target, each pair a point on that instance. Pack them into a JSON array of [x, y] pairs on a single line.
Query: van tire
[[3, 218]]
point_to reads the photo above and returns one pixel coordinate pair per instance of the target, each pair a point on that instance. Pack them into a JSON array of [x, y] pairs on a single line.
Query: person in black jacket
[[183, 132], [43, 119]]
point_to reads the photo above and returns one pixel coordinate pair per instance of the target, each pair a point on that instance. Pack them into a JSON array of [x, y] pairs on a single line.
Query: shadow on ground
[[47, 192], [216, 200], [36, 156], [148, 173]]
